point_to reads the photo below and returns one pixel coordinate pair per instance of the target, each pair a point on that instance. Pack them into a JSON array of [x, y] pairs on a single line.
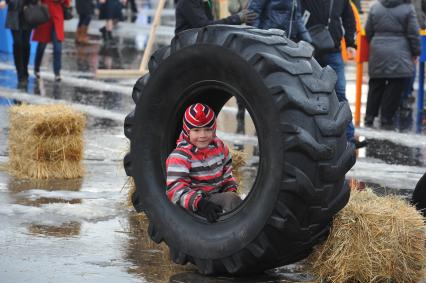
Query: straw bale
[[373, 239], [239, 159], [62, 169], [47, 120], [131, 189], [45, 141], [46, 149]]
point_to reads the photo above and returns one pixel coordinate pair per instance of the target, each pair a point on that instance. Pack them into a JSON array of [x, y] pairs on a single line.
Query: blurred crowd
[[392, 30]]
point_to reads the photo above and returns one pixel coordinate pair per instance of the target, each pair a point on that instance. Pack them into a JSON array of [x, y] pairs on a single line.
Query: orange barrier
[[360, 57]]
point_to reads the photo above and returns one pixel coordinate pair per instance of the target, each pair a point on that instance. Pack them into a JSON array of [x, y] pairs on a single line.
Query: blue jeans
[[408, 90], [57, 52], [335, 61]]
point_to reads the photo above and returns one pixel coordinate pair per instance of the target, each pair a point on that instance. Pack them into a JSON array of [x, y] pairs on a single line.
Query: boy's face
[[201, 137]]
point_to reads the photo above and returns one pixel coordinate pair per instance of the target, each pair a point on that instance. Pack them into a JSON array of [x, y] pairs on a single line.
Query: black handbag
[[321, 36], [36, 14], [68, 12]]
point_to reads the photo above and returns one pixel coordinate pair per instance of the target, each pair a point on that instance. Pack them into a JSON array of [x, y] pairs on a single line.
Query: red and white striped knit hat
[[198, 116]]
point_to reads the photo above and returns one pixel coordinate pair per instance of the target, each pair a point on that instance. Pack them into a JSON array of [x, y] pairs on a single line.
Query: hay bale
[[45, 141], [373, 239]]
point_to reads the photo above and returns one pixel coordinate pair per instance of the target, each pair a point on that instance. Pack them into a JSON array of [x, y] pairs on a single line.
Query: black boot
[[368, 121], [104, 34]]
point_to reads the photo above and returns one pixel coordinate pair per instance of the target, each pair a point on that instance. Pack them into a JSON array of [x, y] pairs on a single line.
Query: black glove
[[247, 16], [209, 210]]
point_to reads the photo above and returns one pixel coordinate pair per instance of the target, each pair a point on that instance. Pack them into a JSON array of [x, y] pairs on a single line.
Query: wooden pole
[[358, 93], [143, 68], [153, 35]]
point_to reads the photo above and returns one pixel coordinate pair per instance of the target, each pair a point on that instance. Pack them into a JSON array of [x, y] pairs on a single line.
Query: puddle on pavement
[[392, 153]]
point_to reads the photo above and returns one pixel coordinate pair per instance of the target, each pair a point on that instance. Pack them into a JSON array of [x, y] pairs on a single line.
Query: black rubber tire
[[300, 124], [419, 195]]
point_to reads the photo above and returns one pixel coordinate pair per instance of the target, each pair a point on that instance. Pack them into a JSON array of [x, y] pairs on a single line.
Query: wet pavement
[[83, 229]]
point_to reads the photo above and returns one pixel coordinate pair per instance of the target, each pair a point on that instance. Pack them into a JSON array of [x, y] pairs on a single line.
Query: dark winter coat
[[14, 18], [198, 13], [393, 33], [342, 19], [86, 7], [43, 33], [280, 14]]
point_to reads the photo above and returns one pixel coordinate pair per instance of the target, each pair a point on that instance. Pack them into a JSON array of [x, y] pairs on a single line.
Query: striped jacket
[[194, 173]]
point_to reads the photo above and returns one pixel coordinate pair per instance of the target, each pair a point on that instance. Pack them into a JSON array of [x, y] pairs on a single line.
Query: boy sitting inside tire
[[199, 170]]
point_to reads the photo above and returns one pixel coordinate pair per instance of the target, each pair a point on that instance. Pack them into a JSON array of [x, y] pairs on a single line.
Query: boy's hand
[[209, 210], [247, 16]]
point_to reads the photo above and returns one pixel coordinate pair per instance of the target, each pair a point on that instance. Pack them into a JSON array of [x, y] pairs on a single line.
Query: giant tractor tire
[[300, 124]]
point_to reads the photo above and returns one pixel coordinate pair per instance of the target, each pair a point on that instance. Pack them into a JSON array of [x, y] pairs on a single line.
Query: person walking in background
[[280, 14], [393, 33], [111, 12], [198, 13], [407, 97], [52, 31], [85, 10], [21, 34], [341, 23]]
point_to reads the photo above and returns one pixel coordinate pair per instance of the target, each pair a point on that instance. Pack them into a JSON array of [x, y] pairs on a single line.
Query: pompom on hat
[[198, 115]]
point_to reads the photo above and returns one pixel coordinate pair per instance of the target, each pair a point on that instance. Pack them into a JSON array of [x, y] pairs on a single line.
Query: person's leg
[[57, 54], [228, 200], [79, 28], [407, 97], [84, 22], [335, 61], [41, 46], [80, 20], [26, 49], [109, 26], [390, 99], [133, 6], [376, 88], [134, 10], [240, 117], [87, 19], [17, 53]]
